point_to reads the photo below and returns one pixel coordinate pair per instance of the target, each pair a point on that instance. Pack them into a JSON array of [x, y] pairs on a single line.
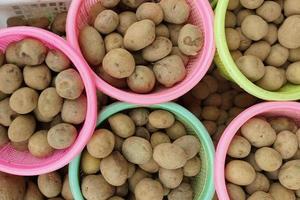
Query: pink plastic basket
[[201, 15], [288, 109], [23, 163]]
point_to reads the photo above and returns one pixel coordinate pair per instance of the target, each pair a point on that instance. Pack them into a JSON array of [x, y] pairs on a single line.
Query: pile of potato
[[51, 186], [58, 25], [145, 45], [264, 160], [142, 155], [41, 98], [264, 41], [216, 101]]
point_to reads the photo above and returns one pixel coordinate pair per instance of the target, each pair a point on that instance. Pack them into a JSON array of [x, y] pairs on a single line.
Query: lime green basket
[[203, 184], [213, 3], [228, 68]]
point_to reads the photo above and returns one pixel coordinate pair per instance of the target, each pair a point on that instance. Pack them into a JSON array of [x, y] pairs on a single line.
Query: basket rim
[[177, 110], [284, 94], [206, 13], [90, 90], [232, 130]]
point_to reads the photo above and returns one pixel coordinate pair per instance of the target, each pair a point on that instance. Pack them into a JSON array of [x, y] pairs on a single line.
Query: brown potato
[[94, 11], [162, 31], [292, 73], [23, 100], [16, 21], [161, 119], [268, 159], [148, 189], [169, 156], [69, 84], [151, 166], [174, 30], [260, 195], [126, 19], [257, 33], [269, 11], [253, 73], [259, 49], [33, 192], [21, 128], [294, 55], [210, 113], [66, 190], [142, 132], [261, 183], [37, 77], [139, 116], [170, 178], [239, 147], [101, 143], [176, 131], [138, 175], [137, 150], [283, 124], [57, 61], [286, 144], [233, 39], [288, 32], [175, 11], [244, 42], [192, 167], [122, 190], [176, 51], [230, 20], [38, 144], [62, 136], [74, 111], [116, 198], [88, 163], [190, 144], [159, 138], [139, 35], [170, 70], [10, 78], [291, 7], [251, 159], [235, 192], [20, 146], [233, 4], [142, 80], [59, 23], [12, 187], [107, 21], [239, 172], [50, 184], [115, 82], [95, 187], [278, 55], [271, 37], [92, 45], [152, 11], [160, 48], [242, 14], [110, 3], [251, 4], [133, 3], [49, 103], [273, 79], [114, 169], [122, 125], [39, 22], [11, 56], [289, 175], [184, 191], [3, 136], [279, 192], [113, 41]]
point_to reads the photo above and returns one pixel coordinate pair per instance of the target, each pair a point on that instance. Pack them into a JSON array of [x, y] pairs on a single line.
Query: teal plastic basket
[[203, 184]]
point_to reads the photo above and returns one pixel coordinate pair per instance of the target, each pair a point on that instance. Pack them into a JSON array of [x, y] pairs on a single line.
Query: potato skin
[[289, 175], [50, 184], [142, 80], [160, 48], [113, 41], [170, 178], [49, 103], [74, 111], [107, 21], [259, 32], [16, 192], [239, 172], [21, 128], [279, 192], [38, 144], [292, 73], [59, 23], [268, 159], [139, 116], [33, 192], [190, 144], [183, 191], [88, 163], [122, 125], [256, 72], [152, 11], [127, 18], [57, 61], [273, 79], [286, 144], [62, 136], [269, 11], [235, 192], [148, 189], [3, 136], [288, 32], [239, 147], [101, 144], [175, 11], [10, 78], [37, 77], [261, 183], [161, 119]]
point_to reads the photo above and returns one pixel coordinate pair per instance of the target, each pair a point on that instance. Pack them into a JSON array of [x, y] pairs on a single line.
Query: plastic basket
[[201, 16], [269, 109], [23, 163], [31, 9], [229, 69], [203, 184]]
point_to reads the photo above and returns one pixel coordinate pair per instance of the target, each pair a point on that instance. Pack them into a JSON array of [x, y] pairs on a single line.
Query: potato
[[251, 4], [139, 116], [38, 144], [170, 70], [239, 172], [122, 190], [137, 150], [174, 30], [244, 100], [169, 156], [176, 131], [294, 55], [56, 120], [269, 11], [151, 166], [94, 187], [50, 184], [159, 49], [142, 80], [49, 103], [89, 164], [126, 19], [37, 77], [253, 73], [280, 20], [273, 79], [271, 37], [95, 9], [16, 21], [162, 31], [11, 56], [10, 78], [139, 35], [23, 100], [278, 55], [175, 11], [279, 192], [230, 20], [283, 124], [115, 82], [148, 189], [133, 3], [232, 38], [210, 126], [184, 191], [59, 23], [20, 146], [288, 32], [21, 128], [161, 119], [184, 58], [69, 84], [107, 21], [291, 7], [113, 41], [170, 178], [286, 144], [239, 147], [233, 4], [192, 167], [114, 169], [122, 125], [159, 138], [138, 175], [261, 183], [119, 63], [292, 73], [74, 111], [152, 11], [101, 143], [57, 61], [260, 195], [39, 22], [268, 159], [190, 144], [289, 175], [258, 132], [244, 42], [242, 14], [110, 3], [115, 198], [210, 113], [190, 40], [259, 49], [298, 137], [66, 190], [33, 192], [235, 192], [62, 136], [254, 27], [12, 187], [251, 159], [3, 136]]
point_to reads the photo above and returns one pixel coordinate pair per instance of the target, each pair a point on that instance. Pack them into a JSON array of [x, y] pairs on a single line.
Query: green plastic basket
[[228, 68], [213, 3], [203, 184]]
